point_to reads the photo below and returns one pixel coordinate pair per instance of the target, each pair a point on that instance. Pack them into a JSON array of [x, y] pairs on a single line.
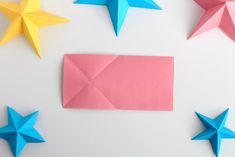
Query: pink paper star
[[219, 13]]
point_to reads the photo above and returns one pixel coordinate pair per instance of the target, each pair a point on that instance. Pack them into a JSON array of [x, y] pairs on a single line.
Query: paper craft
[[26, 18], [118, 82], [219, 13], [20, 131], [215, 131], [118, 8]]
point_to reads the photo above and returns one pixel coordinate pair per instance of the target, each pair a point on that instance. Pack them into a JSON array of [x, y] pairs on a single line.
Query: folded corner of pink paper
[[110, 82]]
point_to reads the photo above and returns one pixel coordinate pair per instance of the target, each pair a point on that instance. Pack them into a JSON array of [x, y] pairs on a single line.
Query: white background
[[204, 82]]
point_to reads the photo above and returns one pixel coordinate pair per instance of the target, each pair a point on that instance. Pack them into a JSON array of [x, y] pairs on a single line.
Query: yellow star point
[[26, 18]]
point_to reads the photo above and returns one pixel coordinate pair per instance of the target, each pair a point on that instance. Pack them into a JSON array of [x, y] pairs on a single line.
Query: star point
[[215, 130], [26, 18], [20, 131], [118, 9], [218, 14]]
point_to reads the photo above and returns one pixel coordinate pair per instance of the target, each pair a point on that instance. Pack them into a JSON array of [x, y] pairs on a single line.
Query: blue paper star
[[118, 8], [215, 130], [20, 131]]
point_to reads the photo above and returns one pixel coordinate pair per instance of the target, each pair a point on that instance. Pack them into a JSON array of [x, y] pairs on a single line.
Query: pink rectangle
[[118, 82]]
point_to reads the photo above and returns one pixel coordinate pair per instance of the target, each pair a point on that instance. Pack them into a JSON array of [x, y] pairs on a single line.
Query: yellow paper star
[[26, 18]]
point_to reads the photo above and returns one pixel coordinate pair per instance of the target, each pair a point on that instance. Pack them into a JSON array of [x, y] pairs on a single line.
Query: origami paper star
[[219, 13], [118, 8], [20, 131], [215, 130], [26, 18]]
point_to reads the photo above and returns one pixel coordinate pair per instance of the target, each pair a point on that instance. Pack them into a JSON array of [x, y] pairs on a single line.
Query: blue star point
[[118, 9], [215, 130], [20, 131]]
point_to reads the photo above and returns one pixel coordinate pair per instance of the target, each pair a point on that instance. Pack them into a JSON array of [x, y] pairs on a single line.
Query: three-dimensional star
[[26, 18], [20, 131], [215, 130], [118, 8], [219, 13]]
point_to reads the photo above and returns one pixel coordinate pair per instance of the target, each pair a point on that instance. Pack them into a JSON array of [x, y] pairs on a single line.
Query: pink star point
[[218, 13]]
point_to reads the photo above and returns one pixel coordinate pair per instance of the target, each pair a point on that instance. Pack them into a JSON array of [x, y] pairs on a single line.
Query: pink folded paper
[[118, 82]]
